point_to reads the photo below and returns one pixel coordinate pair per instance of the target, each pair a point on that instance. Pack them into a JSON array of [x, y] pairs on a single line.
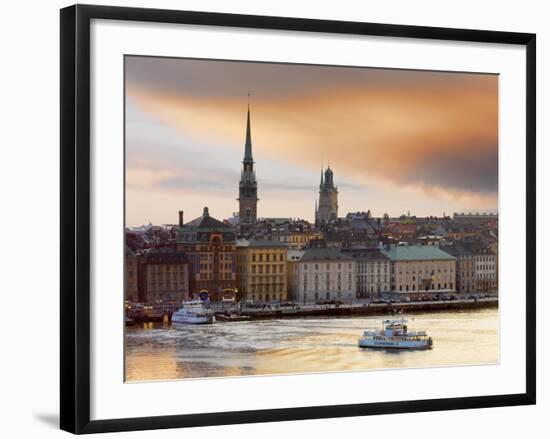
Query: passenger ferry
[[394, 335], [193, 312]]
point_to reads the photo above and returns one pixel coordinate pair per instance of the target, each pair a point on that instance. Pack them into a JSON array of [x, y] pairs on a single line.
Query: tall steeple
[[248, 187], [248, 142], [322, 183]]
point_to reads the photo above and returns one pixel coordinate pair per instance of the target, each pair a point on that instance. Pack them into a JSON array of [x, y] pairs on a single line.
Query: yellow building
[[421, 270], [261, 270]]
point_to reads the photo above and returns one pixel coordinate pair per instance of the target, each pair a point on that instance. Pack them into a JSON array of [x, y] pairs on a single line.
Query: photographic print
[[294, 218]]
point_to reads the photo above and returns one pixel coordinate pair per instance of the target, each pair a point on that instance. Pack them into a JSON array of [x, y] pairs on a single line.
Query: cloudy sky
[[397, 140]]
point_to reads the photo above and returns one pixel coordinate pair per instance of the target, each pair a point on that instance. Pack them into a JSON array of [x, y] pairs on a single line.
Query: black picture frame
[[75, 217]]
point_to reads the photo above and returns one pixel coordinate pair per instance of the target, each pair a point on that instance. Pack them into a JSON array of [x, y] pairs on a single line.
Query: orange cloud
[[439, 136]]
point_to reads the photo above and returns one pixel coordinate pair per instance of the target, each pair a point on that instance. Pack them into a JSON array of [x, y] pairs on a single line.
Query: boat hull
[[193, 320], [402, 344]]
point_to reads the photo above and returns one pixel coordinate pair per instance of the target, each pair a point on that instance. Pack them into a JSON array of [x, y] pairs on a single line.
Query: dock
[[370, 309], [328, 310]]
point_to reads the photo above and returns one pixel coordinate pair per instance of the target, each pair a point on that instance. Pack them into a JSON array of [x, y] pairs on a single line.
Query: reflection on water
[[161, 351]]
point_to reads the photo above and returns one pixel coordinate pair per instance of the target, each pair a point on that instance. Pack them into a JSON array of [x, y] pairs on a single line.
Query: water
[[283, 346]]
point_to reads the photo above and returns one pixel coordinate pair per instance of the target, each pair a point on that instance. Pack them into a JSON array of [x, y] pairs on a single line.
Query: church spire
[[248, 141], [321, 184]]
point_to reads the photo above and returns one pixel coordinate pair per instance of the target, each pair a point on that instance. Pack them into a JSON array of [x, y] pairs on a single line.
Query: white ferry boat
[[394, 335], [193, 312]]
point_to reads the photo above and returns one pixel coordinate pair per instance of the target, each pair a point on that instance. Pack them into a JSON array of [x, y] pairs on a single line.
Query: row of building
[[208, 258], [335, 258]]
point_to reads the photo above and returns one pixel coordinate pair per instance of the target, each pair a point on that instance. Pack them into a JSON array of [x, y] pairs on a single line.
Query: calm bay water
[[282, 346]]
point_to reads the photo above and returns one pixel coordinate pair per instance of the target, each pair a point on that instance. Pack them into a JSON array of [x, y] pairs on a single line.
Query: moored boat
[[232, 317], [395, 335], [193, 312]]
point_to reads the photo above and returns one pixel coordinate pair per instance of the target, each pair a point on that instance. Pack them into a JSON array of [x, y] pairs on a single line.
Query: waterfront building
[[486, 266], [248, 187], [131, 275], [327, 209], [293, 256], [465, 267], [261, 270], [419, 270], [163, 276], [324, 273], [373, 271], [210, 245]]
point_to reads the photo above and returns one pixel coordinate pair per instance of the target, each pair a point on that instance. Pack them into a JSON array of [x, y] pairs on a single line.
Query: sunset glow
[[397, 140]]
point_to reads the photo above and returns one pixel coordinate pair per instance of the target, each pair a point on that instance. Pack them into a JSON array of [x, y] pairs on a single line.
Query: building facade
[[373, 271], [486, 266], [163, 276], [211, 248], [327, 209], [418, 270], [324, 273], [248, 187], [261, 271], [465, 267], [131, 276]]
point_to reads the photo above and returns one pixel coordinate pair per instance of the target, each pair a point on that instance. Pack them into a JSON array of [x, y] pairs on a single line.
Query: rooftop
[[456, 249], [416, 253], [207, 222], [365, 253]]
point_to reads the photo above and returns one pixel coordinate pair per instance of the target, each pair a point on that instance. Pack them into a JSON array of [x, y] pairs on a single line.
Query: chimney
[[180, 214]]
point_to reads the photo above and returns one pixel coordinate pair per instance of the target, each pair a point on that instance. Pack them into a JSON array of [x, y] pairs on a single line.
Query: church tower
[[248, 187], [327, 209]]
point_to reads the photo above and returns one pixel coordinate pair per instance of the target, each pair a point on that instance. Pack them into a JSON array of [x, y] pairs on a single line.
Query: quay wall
[[343, 310], [371, 309]]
